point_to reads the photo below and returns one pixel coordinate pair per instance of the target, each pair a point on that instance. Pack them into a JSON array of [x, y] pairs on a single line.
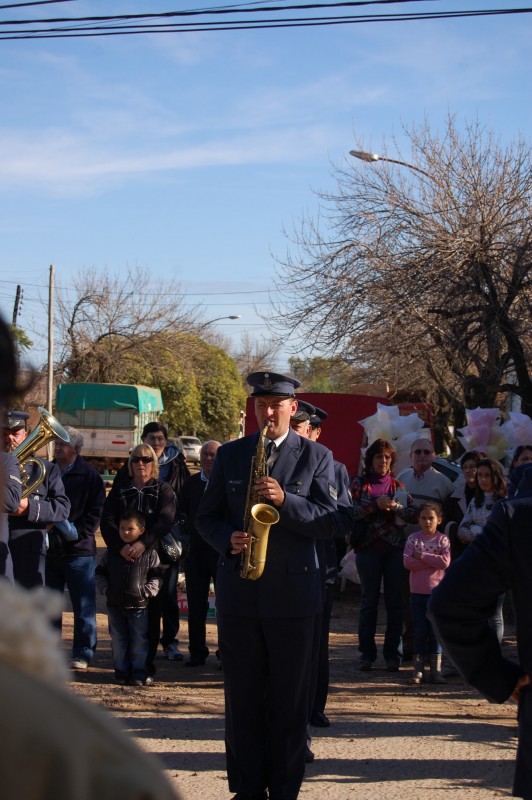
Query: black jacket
[[156, 502], [85, 489], [129, 584], [497, 560]]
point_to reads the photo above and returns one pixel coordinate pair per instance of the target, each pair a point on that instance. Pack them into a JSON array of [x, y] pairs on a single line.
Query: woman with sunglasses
[[155, 499]]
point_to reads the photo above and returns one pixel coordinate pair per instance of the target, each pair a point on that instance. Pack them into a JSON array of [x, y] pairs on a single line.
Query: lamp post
[[370, 157], [217, 319]]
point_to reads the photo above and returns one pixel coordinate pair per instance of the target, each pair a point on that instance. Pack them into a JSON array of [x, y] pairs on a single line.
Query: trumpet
[[47, 429]]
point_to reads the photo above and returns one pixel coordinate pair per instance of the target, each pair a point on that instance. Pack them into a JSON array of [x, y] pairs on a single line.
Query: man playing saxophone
[[266, 625], [46, 504]]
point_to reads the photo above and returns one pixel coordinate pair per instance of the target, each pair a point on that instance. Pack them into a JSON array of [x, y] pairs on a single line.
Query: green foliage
[[319, 374], [222, 395], [22, 341]]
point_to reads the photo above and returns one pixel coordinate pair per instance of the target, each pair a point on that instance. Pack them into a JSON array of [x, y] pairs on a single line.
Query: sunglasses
[[422, 452], [144, 459]]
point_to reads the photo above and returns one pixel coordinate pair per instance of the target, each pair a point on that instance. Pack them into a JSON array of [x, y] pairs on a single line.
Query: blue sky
[[189, 154]]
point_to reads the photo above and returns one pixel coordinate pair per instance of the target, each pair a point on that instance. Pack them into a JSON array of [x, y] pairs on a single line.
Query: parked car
[[447, 468], [191, 446]]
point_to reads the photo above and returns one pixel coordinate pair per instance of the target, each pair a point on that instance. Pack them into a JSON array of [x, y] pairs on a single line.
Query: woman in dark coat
[[156, 500]]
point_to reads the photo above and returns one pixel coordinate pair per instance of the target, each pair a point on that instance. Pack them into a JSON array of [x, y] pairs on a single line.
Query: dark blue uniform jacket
[[290, 584], [12, 492], [47, 504]]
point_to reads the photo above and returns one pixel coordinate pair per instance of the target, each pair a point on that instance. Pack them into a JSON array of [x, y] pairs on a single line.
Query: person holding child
[[427, 555], [128, 585], [155, 499]]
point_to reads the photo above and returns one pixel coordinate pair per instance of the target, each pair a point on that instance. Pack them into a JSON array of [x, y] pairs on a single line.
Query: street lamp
[[217, 319], [370, 157]]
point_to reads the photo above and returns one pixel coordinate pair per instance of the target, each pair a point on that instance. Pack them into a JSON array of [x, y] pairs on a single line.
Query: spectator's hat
[[304, 411], [16, 420], [266, 384], [318, 417]]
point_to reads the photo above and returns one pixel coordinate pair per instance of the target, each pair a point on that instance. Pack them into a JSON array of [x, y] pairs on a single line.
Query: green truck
[[110, 416]]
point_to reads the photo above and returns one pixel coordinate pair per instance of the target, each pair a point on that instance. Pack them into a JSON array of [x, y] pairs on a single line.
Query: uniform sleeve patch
[[333, 492]]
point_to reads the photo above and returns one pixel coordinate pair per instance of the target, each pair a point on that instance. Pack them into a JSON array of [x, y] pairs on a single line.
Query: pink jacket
[[426, 572]]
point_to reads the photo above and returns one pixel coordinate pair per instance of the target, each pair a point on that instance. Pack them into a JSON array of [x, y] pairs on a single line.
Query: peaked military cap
[[304, 411], [15, 420], [318, 417], [272, 384]]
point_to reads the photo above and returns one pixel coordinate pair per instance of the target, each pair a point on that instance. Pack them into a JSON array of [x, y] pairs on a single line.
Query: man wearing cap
[[201, 560], [46, 505], [328, 558], [266, 625]]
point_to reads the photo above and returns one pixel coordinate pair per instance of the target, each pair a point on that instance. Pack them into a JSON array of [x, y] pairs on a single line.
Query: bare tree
[[111, 322], [254, 355], [423, 273]]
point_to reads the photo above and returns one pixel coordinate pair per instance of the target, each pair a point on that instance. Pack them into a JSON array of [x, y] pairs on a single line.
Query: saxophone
[[258, 517]]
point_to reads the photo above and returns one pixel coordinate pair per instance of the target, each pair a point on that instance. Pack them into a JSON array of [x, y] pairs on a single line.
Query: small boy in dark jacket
[[128, 585]]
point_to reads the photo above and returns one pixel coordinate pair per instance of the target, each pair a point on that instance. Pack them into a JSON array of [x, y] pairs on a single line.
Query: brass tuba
[[47, 429], [258, 517]]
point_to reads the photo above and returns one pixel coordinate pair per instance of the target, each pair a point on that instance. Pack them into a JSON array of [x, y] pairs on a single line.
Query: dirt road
[[387, 739]]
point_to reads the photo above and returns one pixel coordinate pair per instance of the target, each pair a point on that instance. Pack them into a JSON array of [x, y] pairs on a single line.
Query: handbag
[[171, 547], [361, 534], [349, 567]]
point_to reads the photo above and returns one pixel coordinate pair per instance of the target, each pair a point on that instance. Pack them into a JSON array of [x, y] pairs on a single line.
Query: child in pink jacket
[[427, 555]]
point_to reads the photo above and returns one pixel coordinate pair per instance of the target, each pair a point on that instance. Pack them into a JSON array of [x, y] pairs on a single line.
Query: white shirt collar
[[280, 439]]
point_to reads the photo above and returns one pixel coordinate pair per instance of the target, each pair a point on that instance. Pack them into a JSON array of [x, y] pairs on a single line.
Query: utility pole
[[18, 301], [50, 391]]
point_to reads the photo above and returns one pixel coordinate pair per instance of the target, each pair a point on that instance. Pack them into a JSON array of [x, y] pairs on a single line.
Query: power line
[[169, 294], [77, 31], [36, 3]]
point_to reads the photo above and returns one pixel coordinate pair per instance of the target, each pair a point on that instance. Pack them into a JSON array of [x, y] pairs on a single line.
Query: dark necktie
[[271, 455]]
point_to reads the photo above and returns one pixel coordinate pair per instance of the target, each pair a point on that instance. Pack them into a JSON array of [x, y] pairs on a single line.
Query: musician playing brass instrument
[[266, 625], [46, 504]]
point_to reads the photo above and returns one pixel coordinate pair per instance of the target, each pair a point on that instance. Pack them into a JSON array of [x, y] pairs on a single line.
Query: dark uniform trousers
[[266, 627], [200, 569], [341, 521], [254, 760]]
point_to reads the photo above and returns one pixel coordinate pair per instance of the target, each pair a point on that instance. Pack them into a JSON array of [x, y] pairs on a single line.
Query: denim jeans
[[381, 562], [77, 574], [128, 628], [424, 639]]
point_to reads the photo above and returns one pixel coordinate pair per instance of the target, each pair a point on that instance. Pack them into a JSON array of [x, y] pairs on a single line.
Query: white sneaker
[[79, 664], [173, 653]]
